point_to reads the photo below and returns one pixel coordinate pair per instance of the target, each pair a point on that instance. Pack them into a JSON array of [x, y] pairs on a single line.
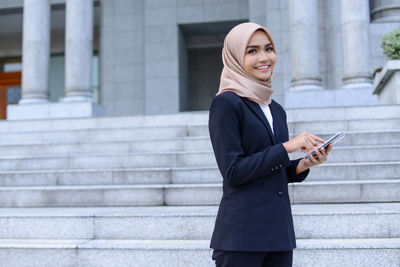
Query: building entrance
[[200, 62], [10, 91]]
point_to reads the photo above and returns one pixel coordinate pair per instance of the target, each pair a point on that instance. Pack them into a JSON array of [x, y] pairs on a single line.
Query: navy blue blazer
[[254, 213]]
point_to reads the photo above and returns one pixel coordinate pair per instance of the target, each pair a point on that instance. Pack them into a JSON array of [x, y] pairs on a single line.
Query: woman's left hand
[[319, 158]]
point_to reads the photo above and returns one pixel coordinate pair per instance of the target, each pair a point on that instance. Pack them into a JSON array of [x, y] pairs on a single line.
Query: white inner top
[[268, 114]]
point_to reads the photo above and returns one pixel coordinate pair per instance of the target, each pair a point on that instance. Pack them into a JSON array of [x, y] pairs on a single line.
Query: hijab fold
[[233, 77]]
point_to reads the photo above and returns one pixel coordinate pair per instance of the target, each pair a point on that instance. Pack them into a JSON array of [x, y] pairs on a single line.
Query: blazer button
[[280, 193], [280, 165], [272, 169], [276, 168]]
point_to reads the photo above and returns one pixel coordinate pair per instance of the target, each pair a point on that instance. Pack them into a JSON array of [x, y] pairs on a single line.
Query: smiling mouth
[[263, 68]]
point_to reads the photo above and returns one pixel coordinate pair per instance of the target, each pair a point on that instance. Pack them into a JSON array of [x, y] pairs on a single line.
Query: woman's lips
[[263, 68]]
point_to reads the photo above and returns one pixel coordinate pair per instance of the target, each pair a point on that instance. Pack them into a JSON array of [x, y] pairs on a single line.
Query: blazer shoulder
[[227, 99], [228, 96], [278, 106]]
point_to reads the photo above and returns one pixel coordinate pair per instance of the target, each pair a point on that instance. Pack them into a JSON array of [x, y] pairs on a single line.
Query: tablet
[[333, 140]]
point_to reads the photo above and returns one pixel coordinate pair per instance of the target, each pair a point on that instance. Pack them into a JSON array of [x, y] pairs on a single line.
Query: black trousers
[[252, 259]]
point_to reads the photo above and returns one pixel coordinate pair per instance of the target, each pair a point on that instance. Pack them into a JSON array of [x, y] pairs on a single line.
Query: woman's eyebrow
[[256, 46], [253, 46]]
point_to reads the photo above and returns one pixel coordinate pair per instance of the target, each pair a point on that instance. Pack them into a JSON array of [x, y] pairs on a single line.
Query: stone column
[[78, 51], [385, 10], [355, 44], [35, 51], [304, 45]]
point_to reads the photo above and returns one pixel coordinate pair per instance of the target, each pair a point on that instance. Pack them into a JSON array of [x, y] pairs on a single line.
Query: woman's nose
[[263, 56]]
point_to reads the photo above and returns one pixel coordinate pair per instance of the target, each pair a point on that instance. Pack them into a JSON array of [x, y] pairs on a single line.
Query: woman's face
[[260, 57]]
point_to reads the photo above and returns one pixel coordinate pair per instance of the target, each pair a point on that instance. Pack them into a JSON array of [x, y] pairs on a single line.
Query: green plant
[[391, 44]]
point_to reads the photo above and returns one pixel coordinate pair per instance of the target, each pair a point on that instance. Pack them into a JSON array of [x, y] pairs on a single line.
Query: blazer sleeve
[[293, 177], [235, 166]]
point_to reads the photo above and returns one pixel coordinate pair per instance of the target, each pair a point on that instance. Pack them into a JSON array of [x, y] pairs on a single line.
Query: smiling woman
[[249, 135]]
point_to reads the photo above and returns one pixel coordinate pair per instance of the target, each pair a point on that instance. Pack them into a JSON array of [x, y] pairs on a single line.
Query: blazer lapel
[[260, 114], [276, 121]]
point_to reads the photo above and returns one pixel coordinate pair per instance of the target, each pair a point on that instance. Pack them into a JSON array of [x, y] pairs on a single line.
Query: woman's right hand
[[304, 141]]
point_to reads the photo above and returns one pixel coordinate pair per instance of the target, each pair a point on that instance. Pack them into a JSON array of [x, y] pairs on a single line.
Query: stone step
[[347, 252], [173, 144], [191, 194], [343, 113], [359, 138], [91, 176], [118, 253], [197, 118], [355, 171], [306, 192], [103, 135], [377, 220], [383, 252], [151, 133], [179, 175], [157, 145], [345, 125], [180, 119], [352, 154], [351, 191], [177, 159], [391, 128], [109, 160], [325, 172]]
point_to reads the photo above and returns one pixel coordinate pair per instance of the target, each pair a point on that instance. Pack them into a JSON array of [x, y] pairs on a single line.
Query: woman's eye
[[269, 49], [252, 51]]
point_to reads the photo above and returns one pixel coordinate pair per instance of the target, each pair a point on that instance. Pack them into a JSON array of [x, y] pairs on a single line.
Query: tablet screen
[[333, 140]]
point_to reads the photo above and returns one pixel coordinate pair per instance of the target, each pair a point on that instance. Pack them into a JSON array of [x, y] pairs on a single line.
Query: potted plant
[[391, 44], [387, 81]]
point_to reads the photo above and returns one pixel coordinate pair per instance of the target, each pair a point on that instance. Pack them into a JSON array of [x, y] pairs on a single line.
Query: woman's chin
[[263, 78]]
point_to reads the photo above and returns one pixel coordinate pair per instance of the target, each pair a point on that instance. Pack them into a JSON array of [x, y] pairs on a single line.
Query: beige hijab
[[233, 77]]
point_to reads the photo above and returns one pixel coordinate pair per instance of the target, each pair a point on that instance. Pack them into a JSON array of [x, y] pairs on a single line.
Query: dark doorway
[[200, 62]]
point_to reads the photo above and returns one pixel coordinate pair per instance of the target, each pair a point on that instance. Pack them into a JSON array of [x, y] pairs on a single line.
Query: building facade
[[82, 58]]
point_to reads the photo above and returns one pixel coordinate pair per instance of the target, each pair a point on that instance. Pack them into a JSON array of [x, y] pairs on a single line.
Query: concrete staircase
[[143, 191]]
